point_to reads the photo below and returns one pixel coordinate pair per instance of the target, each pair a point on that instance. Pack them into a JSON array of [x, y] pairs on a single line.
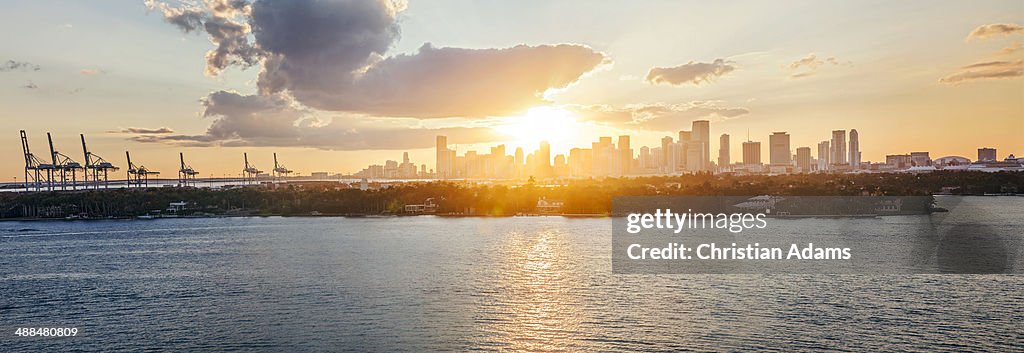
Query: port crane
[[37, 172], [186, 174], [97, 166], [279, 169], [250, 173], [65, 165], [138, 175]]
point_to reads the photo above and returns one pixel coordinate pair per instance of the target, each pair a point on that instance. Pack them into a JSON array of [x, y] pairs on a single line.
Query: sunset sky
[[337, 85]]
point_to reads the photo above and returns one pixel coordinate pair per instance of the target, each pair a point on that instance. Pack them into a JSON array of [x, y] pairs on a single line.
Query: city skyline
[[151, 78]]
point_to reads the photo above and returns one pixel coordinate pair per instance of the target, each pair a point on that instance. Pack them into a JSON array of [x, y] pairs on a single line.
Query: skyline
[[132, 77]]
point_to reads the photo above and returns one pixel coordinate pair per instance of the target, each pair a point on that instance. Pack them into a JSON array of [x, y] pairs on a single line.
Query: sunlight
[[546, 123]]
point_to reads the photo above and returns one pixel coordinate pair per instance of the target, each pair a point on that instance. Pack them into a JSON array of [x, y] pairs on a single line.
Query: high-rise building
[[838, 146], [803, 159], [778, 149], [685, 143], [751, 152], [899, 161], [823, 155], [854, 149], [443, 163], [520, 163], [544, 160], [702, 138], [625, 155], [986, 154], [723, 151], [666, 146], [919, 159], [646, 160]]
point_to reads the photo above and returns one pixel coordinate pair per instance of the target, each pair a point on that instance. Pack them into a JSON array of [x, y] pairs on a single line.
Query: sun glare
[[552, 124]]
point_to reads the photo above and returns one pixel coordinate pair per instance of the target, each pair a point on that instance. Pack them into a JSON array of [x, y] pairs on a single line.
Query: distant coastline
[[566, 198]]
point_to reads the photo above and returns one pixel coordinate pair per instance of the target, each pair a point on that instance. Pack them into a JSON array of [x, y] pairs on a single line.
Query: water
[[426, 284]]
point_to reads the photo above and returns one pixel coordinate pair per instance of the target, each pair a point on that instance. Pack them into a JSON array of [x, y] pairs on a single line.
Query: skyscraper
[[986, 154], [685, 143], [723, 151], [803, 159], [702, 139], [751, 152], [838, 147], [519, 162], [854, 149], [823, 155], [442, 163], [666, 146], [778, 149], [625, 155], [544, 160]]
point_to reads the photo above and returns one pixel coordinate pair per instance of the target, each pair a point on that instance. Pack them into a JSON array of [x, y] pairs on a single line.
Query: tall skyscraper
[[723, 151], [751, 152], [685, 143], [823, 155], [519, 162], [803, 159], [702, 139], [544, 159], [666, 146], [986, 154], [854, 149], [778, 149], [442, 163], [838, 147], [625, 155]]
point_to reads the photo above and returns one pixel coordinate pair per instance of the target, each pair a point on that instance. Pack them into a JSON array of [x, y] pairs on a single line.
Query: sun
[[546, 123]]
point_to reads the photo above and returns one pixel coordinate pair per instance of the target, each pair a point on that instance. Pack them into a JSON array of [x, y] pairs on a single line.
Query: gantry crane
[[64, 164], [97, 165], [186, 173], [35, 169], [279, 170], [138, 175], [250, 173]]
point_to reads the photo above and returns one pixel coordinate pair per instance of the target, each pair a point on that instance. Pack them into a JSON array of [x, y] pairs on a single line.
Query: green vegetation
[[578, 196]]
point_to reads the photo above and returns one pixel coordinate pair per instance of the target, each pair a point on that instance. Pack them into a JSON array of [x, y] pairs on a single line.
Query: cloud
[[446, 82], [692, 72], [143, 130], [30, 85], [810, 64], [986, 70], [90, 72], [12, 65], [656, 116], [994, 30], [1010, 49], [277, 120], [224, 22], [332, 55]]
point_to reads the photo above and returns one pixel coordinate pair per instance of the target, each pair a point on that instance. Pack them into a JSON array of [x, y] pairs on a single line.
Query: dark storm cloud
[[692, 72]]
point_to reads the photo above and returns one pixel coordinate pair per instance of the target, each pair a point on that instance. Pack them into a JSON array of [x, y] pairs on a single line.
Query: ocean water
[[458, 284]]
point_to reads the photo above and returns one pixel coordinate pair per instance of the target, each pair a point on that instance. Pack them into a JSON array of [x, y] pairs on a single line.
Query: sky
[[338, 85]]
